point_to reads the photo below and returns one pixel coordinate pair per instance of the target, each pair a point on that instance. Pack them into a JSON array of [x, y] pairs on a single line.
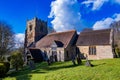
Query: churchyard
[[107, 69]]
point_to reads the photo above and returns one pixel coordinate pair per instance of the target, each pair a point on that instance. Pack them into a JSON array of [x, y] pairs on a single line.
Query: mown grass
[[108, 69]]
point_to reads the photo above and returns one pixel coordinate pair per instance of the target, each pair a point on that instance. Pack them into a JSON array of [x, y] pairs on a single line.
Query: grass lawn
[[108, 69]]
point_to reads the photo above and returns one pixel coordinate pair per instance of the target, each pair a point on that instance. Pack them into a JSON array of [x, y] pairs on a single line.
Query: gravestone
[[88, 63], [31, 64], [73, 59]]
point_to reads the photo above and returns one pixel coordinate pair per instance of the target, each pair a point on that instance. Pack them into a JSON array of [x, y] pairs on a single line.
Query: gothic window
[[92, 50]]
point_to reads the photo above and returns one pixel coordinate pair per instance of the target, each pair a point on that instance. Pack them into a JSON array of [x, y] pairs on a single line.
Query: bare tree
[[116, 27], [6, 39]]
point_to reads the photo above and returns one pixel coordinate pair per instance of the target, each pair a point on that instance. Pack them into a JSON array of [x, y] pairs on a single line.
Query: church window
[[92, 50], [30, 27]]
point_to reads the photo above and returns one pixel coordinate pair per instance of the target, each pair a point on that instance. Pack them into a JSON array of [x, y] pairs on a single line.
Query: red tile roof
[[63, 37], [95, 37]]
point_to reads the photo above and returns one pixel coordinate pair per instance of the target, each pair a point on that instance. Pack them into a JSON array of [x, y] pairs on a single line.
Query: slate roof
[[95, 37], [62, 39]]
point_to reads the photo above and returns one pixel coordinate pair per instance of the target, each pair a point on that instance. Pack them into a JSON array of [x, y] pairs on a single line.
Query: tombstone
[[73, 59], [48, 61], [51, 59], [46, 58], [31, 64], [88, 63]]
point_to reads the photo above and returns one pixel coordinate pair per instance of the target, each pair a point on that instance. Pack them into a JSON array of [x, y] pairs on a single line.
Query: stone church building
[[96, 44], [61, 46]]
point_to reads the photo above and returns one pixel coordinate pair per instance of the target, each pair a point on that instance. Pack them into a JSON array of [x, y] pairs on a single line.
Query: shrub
[[7, 64], [117, 51], [4, 68], [2, 58], [16, 60], [8, 58]]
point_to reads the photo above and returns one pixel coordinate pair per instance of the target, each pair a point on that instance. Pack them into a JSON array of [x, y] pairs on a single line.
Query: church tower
[[36, 29]]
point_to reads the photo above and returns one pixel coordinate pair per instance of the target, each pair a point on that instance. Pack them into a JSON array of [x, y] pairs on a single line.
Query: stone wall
[[69, 52], [83, 50], [102, 52], [63, 54], [60, 53]]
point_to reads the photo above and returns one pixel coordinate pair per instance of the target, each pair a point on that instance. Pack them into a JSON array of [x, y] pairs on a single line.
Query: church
[[61, 46]]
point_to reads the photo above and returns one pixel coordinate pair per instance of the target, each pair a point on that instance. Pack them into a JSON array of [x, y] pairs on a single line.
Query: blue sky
[[62, 15], [16, 12]]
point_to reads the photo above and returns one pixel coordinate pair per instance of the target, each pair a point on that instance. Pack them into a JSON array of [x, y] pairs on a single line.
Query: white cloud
[[19, 39], [66, 14], [105, 23], [96, 4], [118, 1], [117, 17]]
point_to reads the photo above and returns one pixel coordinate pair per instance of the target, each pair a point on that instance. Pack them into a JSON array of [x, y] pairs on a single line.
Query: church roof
[[62, 39], [95, 37]]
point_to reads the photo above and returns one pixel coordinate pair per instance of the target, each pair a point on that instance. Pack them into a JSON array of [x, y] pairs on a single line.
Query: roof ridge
[[62, 32], [96, 30]]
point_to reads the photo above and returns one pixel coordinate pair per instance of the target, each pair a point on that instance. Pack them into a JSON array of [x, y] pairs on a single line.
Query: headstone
[[51, 59], [73, 59], [48, 61], [88, 63], [31, 64]]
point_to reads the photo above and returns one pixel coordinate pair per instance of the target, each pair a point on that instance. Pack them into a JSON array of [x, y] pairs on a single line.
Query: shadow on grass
[[24, 74], [41, 68], [24, 77], [99, 64], [60, 67], [93, 65], [54, 66]]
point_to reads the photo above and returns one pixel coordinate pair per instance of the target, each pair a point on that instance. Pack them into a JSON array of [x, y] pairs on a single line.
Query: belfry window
[[30, 27]]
